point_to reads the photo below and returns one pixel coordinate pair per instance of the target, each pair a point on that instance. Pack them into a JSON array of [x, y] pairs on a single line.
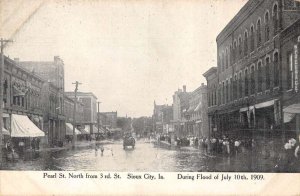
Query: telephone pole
[[98, 117], [2, 42], [74, 112]]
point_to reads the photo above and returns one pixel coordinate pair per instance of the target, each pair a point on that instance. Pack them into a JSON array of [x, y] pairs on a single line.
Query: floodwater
[[148, 157]]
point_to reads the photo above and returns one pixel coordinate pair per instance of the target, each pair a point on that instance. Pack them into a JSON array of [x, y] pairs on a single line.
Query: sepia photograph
[[150, 86]]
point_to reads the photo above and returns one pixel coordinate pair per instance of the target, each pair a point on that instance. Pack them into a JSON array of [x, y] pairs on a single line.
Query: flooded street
[[144, 157]]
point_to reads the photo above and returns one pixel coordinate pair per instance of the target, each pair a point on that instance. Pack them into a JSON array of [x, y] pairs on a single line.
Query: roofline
[[210, 71], [82, 93]]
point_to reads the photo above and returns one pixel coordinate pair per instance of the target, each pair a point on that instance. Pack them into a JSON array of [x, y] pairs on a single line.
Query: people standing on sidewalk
[[33, 144]]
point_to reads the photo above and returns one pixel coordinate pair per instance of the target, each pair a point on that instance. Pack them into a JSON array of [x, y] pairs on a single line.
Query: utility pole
[[98, 117], [2, 42], [74, 112]]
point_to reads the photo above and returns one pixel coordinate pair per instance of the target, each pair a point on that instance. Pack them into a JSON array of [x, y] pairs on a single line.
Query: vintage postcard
[[147, 97]]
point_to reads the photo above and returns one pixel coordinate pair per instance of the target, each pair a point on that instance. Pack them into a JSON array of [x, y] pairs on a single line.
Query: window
[[223, 93], [226, 58], [230, 55], [245, 43], [230, 89], [227, 92], [246, 83], [234, 51], [268, 79], [259, 77], [258, 33], [252, 38], [240, 86], [252, 81], [235, 87], [275, 18], [290, 76], [267, 28], [276, 70], [240, 47]]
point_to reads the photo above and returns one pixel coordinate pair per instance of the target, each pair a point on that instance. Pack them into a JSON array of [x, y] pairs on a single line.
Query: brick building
[[197, 124], [89, 101], [52, 96], [22, 92], [162, 116], [109, 119], [247, 91]]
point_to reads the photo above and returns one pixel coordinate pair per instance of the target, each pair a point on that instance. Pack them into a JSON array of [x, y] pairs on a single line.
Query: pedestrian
[[33, 144], [102, 150], [21, 145], [37, 142], [8, 146], [236, 146]]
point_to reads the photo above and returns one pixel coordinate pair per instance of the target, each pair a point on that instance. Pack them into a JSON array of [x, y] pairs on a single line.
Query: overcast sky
[[128, 53]]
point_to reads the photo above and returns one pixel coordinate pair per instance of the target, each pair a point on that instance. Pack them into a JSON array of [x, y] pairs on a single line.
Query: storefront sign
[[296, 68]]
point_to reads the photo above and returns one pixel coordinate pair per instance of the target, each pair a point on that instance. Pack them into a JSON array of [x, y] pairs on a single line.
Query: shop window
[[268, 79], [276, 70]]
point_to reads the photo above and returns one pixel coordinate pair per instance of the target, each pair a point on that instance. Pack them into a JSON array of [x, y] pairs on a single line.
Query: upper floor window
[[240, 46], [290, 76], [234, 51], [240, 86], [276, 70], [252, 80], [267, 28], [245, 43], [246, 83], [230, 55], [226, 58], [258, 26], [275, 18], [267, 68], [259, 77], [252, 38]]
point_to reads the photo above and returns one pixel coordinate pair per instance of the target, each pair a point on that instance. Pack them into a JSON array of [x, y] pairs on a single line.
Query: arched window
[[290, 73], [252, 38], [275, 18], [240, 85], [235, 81], [240, 46], [227, 92], [252, 76], [267, 28], [267, 68], [246, 83], [223, 61], [245, 43], [258, 26], [259, 77], [230, 55], [226, 58], [234, 51], [276, 70], [223, 93]]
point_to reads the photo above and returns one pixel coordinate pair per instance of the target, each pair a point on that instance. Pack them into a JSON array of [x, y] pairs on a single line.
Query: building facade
[[109, 119], [89, 101], [53, 95], [247, 90], [22, 92], [197, 125], [162, 116]]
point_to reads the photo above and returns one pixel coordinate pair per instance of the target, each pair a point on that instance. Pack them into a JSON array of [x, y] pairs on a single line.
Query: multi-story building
[[89, 101], [255, 73], [22, 92], [109, 119], [162, 116], [180, 114], [197, 125], [53, 95]]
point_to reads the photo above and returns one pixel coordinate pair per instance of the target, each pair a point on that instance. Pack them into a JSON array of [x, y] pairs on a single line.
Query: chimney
[[16, 59], [184, 88], [202, 84]]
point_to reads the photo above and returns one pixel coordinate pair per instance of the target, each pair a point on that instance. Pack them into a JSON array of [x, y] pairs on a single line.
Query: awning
[[5, 131], [198, 121], [250, 108], [84, 132], [69, 129], [17, 91], [191, 109], [87, 129], [101, 130], [22, 126], [198, 107], [265, 104], [290, 111]]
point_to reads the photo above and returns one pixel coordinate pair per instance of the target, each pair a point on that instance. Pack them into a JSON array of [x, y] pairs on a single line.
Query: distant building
[[180, 114], [197, 124], [161, 118], [89, 101], [109, 119]]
